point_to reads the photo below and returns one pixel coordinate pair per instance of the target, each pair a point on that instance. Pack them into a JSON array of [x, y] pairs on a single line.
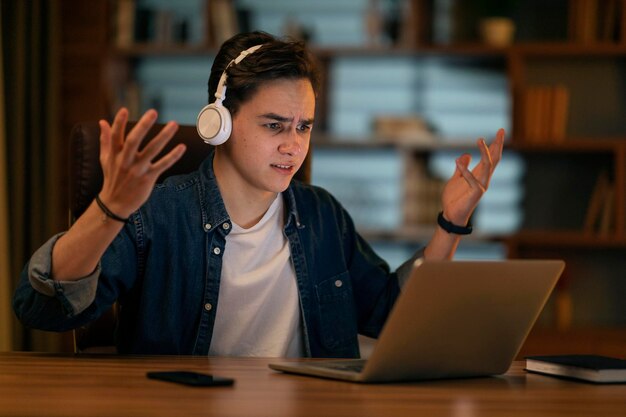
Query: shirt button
[[226, 226], [338, 283], [207, 226], [217, 251], [208, 307]]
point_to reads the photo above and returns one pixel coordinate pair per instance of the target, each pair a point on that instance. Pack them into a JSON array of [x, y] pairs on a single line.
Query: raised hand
[[130, 173], [464, 189]]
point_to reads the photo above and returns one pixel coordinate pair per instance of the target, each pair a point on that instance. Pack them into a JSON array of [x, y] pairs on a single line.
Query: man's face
[[271, 135]]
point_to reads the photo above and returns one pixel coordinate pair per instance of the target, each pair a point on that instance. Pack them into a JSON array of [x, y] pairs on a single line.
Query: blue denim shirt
[[164, 268]]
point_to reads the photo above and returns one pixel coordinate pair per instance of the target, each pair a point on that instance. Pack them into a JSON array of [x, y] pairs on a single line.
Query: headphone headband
[[220, 91]]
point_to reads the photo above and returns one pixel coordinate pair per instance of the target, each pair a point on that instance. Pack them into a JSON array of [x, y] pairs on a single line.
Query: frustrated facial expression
[[271, 136]]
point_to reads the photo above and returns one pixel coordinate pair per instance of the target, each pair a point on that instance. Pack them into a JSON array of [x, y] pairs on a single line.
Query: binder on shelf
[[595, 20], [609, 23], [125, 23], [559, 96], [545, 113], [599, 215], [582, 20], [606, 218], [163, 27]]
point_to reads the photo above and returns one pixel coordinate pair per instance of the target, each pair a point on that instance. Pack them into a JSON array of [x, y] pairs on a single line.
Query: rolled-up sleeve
[[405, 270], [75, 296]]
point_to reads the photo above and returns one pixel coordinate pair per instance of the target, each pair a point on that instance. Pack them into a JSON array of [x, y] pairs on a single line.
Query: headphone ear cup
[[214, 124]]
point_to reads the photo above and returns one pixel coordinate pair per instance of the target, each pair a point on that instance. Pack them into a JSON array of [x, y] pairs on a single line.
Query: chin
[[279, 187]]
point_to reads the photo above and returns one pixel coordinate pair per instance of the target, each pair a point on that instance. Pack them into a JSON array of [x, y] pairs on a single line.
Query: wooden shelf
[[565, 239], [468, 49], [409, 234], [572, 145], [536, 239], [422, 233], [537, 49], [569, 49], [458, 49], [322, 140], [148, 49]]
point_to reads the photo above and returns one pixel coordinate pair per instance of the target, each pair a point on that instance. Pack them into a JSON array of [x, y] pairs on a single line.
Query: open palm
[[464, 189], [129, 172]]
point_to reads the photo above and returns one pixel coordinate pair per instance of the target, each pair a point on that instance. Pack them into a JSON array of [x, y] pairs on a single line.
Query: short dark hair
[[276, 59]]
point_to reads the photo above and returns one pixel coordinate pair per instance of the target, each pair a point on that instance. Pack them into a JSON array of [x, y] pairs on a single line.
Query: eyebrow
[[279, 118]]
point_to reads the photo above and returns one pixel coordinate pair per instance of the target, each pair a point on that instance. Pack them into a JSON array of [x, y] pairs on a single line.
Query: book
[[559, 107], [606, 218], [222, 20], [545, 113], [591, 368], [125, 23], [583, 20], [599, 208]]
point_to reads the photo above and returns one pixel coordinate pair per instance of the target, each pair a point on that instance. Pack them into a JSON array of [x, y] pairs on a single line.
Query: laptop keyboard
[[349, 366]]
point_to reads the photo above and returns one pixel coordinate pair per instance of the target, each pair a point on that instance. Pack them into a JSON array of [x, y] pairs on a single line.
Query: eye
[[273, 126], [304, 128]]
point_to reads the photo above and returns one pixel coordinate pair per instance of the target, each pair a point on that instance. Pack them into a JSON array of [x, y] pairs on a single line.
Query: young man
[[236, 258]]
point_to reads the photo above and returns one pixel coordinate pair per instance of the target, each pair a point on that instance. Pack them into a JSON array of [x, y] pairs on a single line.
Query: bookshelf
[[560, 46]]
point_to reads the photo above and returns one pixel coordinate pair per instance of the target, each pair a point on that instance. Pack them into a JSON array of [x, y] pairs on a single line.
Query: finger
[[485, 154], [496, 147], [118, 128], [168, 160], [156, 145], [468, 176], [484, 169], [465, 160], [136, 135], [490, 157], [105, 141]]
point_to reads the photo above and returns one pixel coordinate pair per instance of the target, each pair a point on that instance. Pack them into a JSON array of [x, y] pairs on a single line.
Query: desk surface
[[34, 384]]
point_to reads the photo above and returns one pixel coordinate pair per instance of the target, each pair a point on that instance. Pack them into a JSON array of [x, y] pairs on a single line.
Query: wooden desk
[[64, 385]]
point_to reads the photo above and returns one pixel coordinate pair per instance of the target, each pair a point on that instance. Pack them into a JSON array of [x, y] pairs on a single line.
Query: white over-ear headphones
[[214, 123]]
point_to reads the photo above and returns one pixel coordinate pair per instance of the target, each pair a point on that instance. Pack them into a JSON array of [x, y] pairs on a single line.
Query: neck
[[245, 205]]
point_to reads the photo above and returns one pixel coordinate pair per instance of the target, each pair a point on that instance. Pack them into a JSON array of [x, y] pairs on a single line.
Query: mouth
[[283, 168]]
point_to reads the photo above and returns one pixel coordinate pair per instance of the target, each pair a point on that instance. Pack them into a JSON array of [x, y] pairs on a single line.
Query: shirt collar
[[213, 208]]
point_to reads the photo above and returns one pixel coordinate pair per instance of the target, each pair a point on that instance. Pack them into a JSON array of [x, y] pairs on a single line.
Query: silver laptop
[[453, 319]]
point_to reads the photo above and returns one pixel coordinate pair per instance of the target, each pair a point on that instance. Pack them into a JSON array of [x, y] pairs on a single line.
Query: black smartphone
[[191, 378]]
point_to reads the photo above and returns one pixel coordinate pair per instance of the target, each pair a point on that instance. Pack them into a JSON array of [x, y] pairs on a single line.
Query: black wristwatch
[[451, 227]]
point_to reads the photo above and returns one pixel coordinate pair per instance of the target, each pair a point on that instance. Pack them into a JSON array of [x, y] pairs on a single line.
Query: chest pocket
[[337, 312]]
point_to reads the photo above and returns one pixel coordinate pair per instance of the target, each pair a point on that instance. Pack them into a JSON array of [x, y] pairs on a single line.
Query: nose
[[292, 145]]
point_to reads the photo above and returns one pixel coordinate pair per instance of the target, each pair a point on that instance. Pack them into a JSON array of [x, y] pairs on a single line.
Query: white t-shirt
[[258, 312]]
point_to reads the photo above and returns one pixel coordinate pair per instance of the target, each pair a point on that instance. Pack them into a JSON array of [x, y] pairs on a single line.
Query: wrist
[[108, 212], [453, 228]]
